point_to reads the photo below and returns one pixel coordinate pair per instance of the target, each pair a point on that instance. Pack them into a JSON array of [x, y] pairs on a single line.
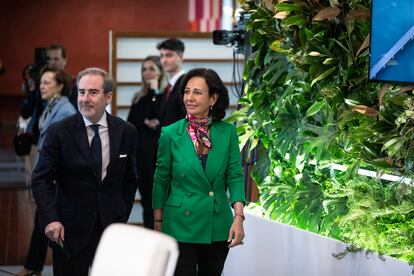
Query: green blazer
[[196, 204]]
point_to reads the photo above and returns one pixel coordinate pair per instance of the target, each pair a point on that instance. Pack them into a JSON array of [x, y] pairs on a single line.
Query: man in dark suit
[[89, 159], [171, 105]]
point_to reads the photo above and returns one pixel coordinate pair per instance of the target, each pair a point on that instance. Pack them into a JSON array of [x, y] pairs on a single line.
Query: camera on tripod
[[40, 61], [31, 72], [224, 37], [236, 38]]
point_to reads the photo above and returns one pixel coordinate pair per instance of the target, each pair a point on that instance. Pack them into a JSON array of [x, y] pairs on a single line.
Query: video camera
[[237, 38], [32, 71]]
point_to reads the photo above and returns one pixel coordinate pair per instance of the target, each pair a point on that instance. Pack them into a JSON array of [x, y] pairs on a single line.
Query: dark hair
[[172, 44], [57, 47], [215, 86], [108, 85], [61, 77]]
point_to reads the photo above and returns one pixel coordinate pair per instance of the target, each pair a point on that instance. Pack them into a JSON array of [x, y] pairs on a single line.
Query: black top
[[147, 107], [203, 160]]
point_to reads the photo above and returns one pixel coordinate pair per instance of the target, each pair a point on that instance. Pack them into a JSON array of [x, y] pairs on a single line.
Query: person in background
[[88, 161], [57, 58], [33, 105], [54, 89], [144, 116], [171, 106], [198, 162], [2, 70]]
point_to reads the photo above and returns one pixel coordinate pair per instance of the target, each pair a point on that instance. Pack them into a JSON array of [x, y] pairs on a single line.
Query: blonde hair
[[161, 80]]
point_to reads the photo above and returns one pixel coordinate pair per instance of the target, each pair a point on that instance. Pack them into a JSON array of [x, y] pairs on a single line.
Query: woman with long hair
[[144, 116]]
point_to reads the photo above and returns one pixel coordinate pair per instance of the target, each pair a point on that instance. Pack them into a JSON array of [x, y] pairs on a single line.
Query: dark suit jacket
[[172, 110], [65, 164]]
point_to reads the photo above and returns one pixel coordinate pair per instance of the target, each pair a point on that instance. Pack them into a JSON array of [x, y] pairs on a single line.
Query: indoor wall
[[81, 26]]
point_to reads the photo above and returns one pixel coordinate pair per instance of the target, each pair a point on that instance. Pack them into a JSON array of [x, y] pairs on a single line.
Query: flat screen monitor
[[392, 41]]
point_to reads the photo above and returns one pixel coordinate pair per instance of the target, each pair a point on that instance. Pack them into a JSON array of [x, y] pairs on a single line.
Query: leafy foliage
[[308, 105]]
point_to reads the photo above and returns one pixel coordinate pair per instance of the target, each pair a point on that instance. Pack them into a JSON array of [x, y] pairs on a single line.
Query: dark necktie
[[168, 90], [96, 149]]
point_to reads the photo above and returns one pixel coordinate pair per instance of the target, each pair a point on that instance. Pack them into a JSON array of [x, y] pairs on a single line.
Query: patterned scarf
[[197, 129]]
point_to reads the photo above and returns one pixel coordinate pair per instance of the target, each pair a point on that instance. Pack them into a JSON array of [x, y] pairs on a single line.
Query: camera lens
[[223, 37]]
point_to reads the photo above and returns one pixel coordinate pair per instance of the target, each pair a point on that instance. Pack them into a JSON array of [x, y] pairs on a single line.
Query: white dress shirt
[[104, 135], [174, 79]]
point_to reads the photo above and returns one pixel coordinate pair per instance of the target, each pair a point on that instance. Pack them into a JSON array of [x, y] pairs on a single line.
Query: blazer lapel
[[79, 135], [186, 148], [114, 140], [215, 157]]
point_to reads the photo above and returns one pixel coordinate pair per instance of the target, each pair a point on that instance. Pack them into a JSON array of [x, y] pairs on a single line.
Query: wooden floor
[[16, 221]]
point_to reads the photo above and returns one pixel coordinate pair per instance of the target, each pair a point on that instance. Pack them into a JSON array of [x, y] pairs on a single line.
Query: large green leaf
[[393, 146], [323, 75], [289, 7], [314, 108]]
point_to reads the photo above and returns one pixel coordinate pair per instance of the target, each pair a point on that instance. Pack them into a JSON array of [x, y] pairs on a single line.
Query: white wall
[[275, 249], [129, 51]]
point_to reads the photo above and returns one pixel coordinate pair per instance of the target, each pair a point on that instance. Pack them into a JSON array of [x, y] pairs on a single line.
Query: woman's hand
[[153, 84], [236, 233], [157, 219], [157, 225], [152, 123]]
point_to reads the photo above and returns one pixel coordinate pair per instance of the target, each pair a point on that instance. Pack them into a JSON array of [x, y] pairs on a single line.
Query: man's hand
[[55, 231]]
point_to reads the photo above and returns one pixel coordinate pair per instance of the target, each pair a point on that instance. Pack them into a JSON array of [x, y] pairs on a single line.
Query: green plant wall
[[309, 105]]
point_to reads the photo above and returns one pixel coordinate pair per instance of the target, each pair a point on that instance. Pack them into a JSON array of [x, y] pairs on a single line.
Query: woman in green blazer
[[199, 178]]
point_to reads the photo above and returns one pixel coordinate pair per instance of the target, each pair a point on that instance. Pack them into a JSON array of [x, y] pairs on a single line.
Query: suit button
[[188, 194], [187, 213], [210, 193]]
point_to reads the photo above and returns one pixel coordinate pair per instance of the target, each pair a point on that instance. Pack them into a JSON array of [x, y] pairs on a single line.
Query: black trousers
[[146, 178], [197, 259], [36, 255], [146, 163], [80, 263]]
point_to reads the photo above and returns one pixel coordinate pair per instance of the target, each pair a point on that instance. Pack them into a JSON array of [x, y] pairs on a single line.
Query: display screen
[[392, 41]]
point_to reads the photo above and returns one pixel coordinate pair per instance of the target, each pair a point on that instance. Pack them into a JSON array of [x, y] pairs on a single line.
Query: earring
[[211, 107]]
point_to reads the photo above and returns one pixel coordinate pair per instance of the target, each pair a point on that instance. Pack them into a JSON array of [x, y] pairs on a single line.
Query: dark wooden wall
[[81, 26]]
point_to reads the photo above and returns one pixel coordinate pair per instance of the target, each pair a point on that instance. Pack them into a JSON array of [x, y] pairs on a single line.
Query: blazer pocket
[[174, 200]]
